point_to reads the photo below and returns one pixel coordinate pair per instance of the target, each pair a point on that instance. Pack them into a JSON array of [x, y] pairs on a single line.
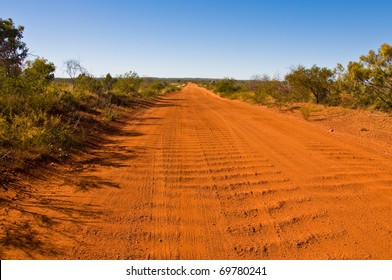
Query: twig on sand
[[6, 154]]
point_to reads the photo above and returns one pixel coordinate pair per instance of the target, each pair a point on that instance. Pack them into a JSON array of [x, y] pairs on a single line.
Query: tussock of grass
[[306, 112]]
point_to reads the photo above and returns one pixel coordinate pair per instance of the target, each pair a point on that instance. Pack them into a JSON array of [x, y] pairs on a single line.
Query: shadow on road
[[35, 212], [35, 222]]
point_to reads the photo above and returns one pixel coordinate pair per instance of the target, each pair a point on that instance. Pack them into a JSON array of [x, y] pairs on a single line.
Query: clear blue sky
[[201, 38]]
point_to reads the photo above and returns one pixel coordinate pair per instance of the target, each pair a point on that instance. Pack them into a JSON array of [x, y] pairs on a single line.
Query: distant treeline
[[366, 83]]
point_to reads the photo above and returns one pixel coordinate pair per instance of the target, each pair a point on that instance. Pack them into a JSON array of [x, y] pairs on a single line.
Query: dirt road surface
[[201, 177]]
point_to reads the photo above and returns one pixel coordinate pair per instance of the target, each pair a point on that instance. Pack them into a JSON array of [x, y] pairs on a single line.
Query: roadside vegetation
[[365, 84], [46, 118]]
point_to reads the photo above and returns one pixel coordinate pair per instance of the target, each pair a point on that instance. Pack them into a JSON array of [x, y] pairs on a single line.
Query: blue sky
[[200, 38]]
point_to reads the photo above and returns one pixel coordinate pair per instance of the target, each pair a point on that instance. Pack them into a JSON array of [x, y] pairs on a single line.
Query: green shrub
[[260, 97], [129, 83], [171, 88], [61, 137], [110, 112], [227, 86], [151, 89], [119, 99], [23, 130]]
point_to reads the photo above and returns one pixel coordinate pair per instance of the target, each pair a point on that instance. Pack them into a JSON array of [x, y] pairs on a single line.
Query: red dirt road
[[201, 177]]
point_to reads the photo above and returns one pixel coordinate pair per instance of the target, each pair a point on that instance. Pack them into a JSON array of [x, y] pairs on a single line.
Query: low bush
[[226, 87]]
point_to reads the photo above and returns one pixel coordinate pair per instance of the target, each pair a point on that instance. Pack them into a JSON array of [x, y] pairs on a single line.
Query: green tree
[[40, 71], [87, 83], [374, 72], [314, 81], [108, 82], [12, 50]]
